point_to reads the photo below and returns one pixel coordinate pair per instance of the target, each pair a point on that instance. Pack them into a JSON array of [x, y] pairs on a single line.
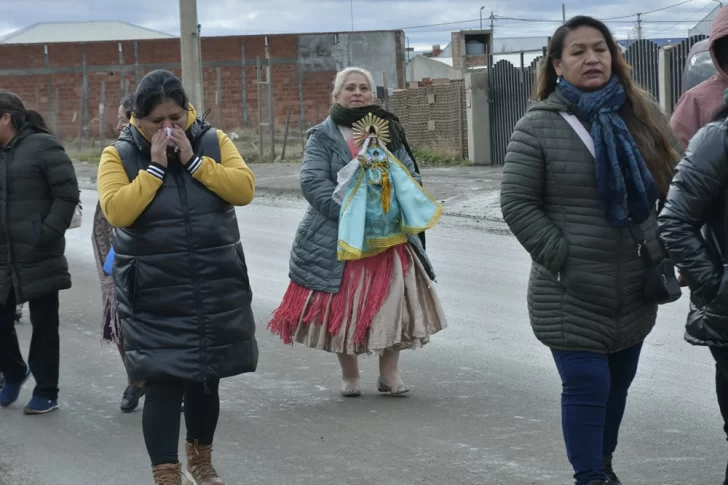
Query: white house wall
[[421, 67]]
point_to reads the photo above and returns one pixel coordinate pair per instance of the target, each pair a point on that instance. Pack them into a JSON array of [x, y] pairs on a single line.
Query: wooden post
[[285, 134], [102, 110], [218, 98], [121, 72], [57, 128], [80, 125], [260, 108], [244, 81], [271, 113], [84, 96]]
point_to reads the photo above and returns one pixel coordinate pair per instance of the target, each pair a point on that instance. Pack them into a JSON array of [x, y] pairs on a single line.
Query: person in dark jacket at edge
[[169, 186], [693, 228], [580, 217], [698, 106], [38, 197]]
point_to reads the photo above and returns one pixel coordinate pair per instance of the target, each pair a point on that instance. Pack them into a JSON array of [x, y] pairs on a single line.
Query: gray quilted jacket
[[314, 263], [585, 287]]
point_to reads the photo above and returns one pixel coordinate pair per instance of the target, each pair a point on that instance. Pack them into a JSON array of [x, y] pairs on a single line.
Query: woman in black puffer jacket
[[693, 229]]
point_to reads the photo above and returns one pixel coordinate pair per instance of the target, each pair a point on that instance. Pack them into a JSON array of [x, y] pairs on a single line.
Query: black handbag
[[661, 285]]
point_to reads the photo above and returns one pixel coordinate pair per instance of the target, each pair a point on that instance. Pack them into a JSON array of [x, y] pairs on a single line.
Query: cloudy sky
[[426, 22]]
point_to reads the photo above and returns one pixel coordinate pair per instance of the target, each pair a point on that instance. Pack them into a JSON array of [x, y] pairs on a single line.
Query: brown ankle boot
[[199, 465], [167, 474]]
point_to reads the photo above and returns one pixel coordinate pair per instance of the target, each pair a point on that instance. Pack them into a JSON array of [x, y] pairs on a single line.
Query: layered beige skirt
[[386, 302]]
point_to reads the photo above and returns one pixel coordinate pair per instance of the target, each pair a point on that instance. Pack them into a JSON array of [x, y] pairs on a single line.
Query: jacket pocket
[[717, 310], [242, 266], [548, 275], [131, 284], [312, 227], [36, 228]]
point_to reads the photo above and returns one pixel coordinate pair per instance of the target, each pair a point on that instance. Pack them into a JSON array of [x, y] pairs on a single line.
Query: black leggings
[[161, 419], [721, 382]]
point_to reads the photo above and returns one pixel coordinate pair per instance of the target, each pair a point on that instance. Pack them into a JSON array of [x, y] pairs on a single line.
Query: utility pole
[[481, 17], [492, 23], [352, 15], [563, 12], [190, 47], [639, 26]]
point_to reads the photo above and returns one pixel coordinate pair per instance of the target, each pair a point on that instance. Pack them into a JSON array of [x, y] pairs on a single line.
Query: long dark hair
[[11, 104], [154, 89], [128, 104], [643, 117]]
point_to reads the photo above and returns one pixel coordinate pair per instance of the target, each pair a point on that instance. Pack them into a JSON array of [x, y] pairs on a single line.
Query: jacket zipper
[[620, 298], [6, 203], [181, 188], [6, 228]]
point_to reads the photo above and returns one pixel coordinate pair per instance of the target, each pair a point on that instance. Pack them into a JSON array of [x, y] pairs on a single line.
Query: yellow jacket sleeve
[[122, 201], [231, 179]]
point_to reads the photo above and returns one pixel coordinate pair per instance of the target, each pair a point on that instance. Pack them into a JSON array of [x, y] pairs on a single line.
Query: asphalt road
[[484, 407]]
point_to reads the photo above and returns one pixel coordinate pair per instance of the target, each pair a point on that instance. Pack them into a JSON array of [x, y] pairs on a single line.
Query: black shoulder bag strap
[[661, 285], [639, 238]]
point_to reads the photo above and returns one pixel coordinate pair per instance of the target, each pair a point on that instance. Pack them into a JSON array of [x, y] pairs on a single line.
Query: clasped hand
[[161, 141]]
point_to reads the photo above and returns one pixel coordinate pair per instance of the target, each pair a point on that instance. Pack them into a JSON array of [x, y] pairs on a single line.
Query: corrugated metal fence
[[644, 57], [511, 87], [677, 57], [510, 90]]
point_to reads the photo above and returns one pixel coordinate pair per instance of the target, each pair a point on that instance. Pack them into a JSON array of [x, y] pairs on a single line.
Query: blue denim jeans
[[593, 399]]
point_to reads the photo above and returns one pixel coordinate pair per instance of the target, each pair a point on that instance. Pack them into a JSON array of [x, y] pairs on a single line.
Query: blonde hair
[[341, 76]]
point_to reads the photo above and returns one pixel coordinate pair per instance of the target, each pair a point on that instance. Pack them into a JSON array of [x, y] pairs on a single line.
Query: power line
[[709, 4], [621, 19], [645, 13], [555, 21], [668, 7], [440, 24]]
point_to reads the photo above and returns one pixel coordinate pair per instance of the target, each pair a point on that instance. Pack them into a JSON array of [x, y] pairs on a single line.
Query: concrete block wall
[[434, 116]]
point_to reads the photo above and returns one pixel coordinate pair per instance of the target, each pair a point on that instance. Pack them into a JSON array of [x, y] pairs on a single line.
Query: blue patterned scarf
[[625, 185]]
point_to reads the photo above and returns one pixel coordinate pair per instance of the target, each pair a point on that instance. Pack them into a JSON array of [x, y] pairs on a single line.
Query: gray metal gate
[[510, 88], [676, 59], [644, 58]]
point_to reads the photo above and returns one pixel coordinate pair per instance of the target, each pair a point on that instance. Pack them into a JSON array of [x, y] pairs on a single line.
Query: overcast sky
[[235, 17]]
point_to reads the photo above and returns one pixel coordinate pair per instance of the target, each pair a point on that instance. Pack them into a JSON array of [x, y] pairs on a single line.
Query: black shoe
[[609, 471], [130, 401], [2, 380]]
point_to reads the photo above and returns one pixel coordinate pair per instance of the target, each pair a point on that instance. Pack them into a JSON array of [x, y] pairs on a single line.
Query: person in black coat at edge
[[169, 186], [694, 229], [38, 196]]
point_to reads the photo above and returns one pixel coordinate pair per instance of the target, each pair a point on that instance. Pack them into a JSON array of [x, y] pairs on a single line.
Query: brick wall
[[64, 82]]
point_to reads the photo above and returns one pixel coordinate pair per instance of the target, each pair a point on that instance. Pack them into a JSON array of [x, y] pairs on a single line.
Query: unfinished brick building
[[68, 82]]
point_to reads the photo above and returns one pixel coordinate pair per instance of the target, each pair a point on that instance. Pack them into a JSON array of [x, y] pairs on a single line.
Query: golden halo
[[372, 126]]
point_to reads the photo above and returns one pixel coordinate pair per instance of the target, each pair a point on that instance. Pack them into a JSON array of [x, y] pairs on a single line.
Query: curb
[[90, 184]]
